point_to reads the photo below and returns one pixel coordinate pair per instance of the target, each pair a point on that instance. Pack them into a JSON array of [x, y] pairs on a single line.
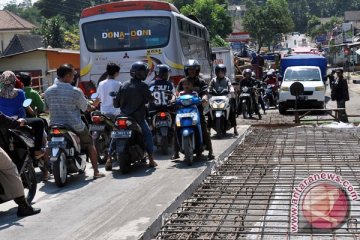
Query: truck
[[308, 69], [224, 55]]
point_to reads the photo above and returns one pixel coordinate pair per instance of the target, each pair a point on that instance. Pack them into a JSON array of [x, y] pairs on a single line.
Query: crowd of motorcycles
[[121, 138]]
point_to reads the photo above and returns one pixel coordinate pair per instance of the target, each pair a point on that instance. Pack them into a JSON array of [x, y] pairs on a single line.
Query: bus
[[150, 31]]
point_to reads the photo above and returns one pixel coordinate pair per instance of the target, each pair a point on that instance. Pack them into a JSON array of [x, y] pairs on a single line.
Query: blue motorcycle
[[188, 127]]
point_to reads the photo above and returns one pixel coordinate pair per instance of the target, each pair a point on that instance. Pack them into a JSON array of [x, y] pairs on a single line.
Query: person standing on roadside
[[340, 94]]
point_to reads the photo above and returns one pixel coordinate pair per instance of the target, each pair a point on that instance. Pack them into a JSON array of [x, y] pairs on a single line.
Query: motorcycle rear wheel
[[29, 181], [124, 162], [164, 145], [60, 170]]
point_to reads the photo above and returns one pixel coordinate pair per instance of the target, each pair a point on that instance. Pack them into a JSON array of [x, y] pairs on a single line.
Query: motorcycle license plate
[[161, 124], [57, 139], [185, 115], [121, 134], [245, 95], [94, 127]]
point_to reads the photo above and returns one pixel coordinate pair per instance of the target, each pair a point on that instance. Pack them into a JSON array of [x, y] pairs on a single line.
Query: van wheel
[[282, 109]]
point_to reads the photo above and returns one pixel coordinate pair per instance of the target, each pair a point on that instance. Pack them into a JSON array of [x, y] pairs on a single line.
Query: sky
[[4, 2]]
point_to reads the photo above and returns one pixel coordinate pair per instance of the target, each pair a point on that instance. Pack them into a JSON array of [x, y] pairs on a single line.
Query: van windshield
[[302, 74], [125, 34]]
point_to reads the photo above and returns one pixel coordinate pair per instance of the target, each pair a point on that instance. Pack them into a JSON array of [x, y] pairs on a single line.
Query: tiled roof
[[11, 21], [23, 43], [352, 16]]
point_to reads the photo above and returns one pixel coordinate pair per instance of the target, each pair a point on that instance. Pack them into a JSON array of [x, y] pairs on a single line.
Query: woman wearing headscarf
[[11, 104]]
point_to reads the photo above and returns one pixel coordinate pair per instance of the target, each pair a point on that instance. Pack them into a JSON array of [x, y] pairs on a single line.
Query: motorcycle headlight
[[320, 88], [285, 89], [245, 89], [214, 105], [186, 102], [222, 105]]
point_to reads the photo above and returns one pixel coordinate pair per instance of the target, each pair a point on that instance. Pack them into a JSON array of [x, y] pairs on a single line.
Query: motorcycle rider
[[132, 97], [64, 103], [105, 87], [221, 81], [159, 86], [192, 72], [272, 80], [248, 81], [9, 175]]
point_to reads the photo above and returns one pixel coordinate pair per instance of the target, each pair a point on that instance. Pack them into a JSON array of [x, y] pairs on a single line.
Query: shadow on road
[[9, 219], [137, 170]]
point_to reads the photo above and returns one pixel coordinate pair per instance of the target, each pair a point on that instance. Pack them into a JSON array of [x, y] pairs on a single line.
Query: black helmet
[[162, 71], [192, 63], [220, 67], [137, 68], [248, 72]]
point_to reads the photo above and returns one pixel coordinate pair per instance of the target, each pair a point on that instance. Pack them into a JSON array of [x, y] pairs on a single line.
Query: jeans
[[342, 114], [149, 144]]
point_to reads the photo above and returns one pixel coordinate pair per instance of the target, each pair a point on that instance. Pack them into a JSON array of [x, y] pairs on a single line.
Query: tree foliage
[[53, 31], [26, 11], [265, 22], [212, 15]]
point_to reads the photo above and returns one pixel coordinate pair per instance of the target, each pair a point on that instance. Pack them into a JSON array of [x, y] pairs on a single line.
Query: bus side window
[[180, 25]]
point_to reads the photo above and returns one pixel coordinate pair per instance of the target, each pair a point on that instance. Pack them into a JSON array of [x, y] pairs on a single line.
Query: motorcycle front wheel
[[188, 150], [244, 108], [29, 181]]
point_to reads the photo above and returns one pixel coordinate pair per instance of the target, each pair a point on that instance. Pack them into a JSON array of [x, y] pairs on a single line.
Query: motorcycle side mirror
[[94, 96], [113, 94], [27, 103]]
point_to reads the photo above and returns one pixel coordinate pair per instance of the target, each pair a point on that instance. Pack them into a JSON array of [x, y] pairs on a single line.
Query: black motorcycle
[[100, 130], [246, 102], [161, 122], [127, 143], [18, 145]]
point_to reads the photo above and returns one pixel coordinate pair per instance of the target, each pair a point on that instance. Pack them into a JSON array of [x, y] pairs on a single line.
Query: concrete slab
[[115, 207]]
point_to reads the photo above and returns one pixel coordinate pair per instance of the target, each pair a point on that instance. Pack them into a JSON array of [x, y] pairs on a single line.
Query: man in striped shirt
[[64, 103]]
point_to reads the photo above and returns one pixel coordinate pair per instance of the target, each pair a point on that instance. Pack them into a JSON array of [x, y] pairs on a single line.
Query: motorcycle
[[18, 144], [270, 96], [100, 130], [246, 102], [161, 121], [127, 142], [220, 111], [65, 153], [188, 127]]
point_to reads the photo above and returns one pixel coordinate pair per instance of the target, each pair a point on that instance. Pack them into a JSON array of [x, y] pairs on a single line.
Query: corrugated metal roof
[[11, 21]]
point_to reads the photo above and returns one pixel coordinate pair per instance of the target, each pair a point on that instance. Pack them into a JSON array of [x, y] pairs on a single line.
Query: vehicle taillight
[[176, 79], [97, 119], [91, 91], [55, 131], [163, 114], [121, 123]]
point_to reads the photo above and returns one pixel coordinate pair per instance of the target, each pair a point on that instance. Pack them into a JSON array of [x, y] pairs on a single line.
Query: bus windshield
[[125, 34]]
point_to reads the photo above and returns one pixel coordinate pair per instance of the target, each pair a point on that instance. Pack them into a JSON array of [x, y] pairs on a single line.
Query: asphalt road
[[115, 207]]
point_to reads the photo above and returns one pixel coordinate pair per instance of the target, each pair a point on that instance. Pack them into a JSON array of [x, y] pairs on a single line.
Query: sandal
[[152, 164], [99, 175]]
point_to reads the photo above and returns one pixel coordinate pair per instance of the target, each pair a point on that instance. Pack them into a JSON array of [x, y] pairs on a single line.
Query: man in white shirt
[[104, 89]]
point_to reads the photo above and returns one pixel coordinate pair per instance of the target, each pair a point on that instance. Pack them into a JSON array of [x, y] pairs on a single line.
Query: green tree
[[264, 23], [53, 30], [26, 11], [212, 15], [300, 15], [218, 41], [72, 38]]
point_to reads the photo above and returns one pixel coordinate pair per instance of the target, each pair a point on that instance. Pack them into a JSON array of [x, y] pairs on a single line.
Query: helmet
[[139, 70], [162, 71], [192, 63], [220, 67], [253, 75], [247, 71]]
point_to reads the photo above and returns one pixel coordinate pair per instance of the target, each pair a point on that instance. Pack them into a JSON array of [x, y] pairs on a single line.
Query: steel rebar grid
[[249, 195]]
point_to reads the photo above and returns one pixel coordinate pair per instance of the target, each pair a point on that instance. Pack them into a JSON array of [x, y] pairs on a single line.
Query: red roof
[[129, 5], [11, 21]]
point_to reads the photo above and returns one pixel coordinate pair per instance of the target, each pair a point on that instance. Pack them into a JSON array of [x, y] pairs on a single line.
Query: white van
[[314, 88]]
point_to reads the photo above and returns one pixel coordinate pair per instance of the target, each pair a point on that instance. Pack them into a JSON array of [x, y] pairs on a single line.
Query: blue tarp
[[304, 60]]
